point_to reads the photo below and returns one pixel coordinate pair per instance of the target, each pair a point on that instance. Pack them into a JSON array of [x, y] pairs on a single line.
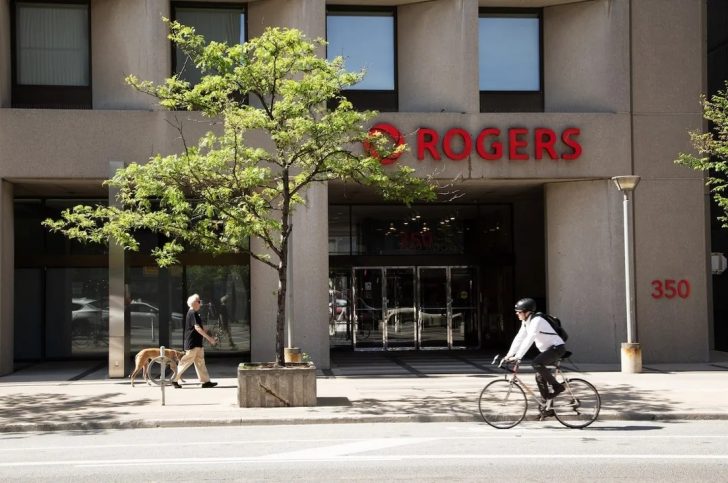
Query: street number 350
[[669, 288]]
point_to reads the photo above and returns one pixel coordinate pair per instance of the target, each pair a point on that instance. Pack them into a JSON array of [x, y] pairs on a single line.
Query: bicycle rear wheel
[[502, 404], [578, 406]]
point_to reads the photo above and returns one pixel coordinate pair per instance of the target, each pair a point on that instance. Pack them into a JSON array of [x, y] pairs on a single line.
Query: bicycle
[[503, 403], [214, 322]]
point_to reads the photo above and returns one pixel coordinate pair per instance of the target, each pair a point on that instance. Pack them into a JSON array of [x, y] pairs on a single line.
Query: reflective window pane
[[509, 51], [218, 24], [365, 41], [225, 295]]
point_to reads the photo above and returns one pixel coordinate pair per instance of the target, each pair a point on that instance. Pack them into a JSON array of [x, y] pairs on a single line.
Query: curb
[[182, 423]]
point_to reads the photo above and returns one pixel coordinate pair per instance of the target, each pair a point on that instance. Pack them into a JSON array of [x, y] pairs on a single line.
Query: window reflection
[[226, 303], [509, 51], [215, 24], [366, 41]]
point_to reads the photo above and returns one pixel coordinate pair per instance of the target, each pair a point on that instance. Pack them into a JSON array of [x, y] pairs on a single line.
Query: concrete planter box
[[267, 386]]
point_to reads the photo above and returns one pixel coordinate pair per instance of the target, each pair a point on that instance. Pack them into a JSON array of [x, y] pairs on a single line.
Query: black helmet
[[527, 304]]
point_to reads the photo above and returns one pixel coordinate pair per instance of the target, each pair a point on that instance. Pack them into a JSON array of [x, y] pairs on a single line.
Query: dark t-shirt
[[192, 337]]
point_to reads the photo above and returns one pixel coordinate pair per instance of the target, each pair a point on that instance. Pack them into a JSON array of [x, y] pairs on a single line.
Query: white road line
[[355, 458], [345, 449], [514, 435]]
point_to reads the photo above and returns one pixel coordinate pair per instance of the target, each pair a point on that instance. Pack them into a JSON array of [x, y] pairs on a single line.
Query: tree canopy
[[223, 189], [712, 150]]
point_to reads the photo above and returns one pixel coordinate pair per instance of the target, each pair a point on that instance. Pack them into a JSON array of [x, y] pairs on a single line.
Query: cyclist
[[536, 329]]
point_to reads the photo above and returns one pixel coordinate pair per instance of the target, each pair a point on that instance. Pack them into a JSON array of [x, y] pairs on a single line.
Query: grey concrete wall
[[118, 37], [5, 69], [597, 31], [669, 59], [7, 273], [263, 284], [670, 244], [585, 266], [438, 73]]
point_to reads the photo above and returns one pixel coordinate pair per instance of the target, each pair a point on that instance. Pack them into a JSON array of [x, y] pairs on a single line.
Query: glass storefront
[[62, 290], [425, 277]]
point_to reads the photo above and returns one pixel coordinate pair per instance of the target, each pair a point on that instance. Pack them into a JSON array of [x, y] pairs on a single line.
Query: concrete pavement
[[360, 387]]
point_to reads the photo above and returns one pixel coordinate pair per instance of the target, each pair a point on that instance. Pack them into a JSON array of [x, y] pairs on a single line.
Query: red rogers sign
[[490, 144]]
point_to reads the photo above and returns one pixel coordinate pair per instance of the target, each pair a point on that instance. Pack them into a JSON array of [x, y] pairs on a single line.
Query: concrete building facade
[[620, 86]]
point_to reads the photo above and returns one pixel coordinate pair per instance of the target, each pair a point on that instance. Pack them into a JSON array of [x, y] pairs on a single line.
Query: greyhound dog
[[145, 356]]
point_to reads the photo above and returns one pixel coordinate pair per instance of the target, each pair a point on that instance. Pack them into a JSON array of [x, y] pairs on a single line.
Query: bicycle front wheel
[[578, 406], [502, 404]]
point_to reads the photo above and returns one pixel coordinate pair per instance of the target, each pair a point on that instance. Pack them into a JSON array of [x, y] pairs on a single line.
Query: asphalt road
[[534, 451]]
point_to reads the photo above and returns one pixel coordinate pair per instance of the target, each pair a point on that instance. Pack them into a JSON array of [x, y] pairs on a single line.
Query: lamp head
[[626, 183]]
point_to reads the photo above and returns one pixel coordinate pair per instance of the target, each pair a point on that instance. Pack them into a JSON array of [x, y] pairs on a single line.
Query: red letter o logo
[[393, 133]]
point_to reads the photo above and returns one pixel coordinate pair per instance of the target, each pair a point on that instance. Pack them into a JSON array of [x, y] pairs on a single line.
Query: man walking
[[194, 352]]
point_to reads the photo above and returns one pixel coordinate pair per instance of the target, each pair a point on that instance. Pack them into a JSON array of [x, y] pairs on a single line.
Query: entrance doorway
[[404, 308]]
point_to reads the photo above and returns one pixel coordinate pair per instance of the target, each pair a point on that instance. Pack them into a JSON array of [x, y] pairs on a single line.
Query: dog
[[145, 356]]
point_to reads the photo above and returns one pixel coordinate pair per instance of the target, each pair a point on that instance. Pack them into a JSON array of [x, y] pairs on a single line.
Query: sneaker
[[208, 384], [548, 413], [176, 385], [558, 389]]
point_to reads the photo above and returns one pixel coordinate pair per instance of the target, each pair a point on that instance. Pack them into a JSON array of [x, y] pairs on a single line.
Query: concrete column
[[311, 276], [310, 238], [263, 285], [119, 333], [128, 37], [308, 16], [671, 246], [585, 268], [597, 31], [449, 83], [7, 277]]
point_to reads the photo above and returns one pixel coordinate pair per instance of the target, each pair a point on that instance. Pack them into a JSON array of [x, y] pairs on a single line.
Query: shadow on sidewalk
[[54, 408]]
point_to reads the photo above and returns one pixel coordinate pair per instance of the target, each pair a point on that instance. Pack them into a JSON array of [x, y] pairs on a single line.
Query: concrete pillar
[[450, 83], [128, 37], [308, 16], [584, 244], [7, 277], [119, 333], [310, 238]]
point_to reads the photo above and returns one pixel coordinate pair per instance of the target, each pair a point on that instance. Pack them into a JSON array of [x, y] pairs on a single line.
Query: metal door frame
[[417, 308], [385, 307]]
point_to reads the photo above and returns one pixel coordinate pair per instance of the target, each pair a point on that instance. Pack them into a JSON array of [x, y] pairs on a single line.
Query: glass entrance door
[[434, 308], [464, 307], [397, 308], [400, 315], [368, 306]]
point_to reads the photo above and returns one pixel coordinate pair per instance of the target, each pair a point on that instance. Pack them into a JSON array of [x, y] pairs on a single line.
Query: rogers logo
[[489, 145], [394, 135]]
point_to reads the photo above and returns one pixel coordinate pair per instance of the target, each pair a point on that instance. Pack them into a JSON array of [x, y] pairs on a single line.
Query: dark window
[[51, 54], [215, 22], [366, 40], [510, 60]]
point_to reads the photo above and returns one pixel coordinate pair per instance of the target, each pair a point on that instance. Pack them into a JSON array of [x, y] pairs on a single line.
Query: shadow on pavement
[[62, 408]]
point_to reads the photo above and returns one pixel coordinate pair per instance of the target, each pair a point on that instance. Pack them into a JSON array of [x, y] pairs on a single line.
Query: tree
[[712, 149], [217, 194]]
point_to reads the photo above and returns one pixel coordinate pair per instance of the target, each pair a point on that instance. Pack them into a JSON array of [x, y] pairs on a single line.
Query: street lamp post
[[631, 350]]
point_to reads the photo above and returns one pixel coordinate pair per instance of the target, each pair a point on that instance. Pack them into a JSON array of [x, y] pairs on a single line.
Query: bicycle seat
[[566, 355]]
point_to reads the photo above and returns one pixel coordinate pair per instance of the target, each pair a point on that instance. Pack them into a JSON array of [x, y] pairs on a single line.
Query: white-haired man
[[194, 352]]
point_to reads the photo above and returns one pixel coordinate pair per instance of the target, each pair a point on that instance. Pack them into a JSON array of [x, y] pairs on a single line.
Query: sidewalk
[[370, 387]]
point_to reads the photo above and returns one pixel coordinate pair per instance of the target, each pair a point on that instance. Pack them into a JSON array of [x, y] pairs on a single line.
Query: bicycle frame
[[543, 404]]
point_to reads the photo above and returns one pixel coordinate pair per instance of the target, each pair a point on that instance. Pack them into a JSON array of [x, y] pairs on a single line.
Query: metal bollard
[[163, 374]]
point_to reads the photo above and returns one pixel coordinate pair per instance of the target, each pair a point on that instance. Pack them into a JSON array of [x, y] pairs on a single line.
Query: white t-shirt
[[534, 329]]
